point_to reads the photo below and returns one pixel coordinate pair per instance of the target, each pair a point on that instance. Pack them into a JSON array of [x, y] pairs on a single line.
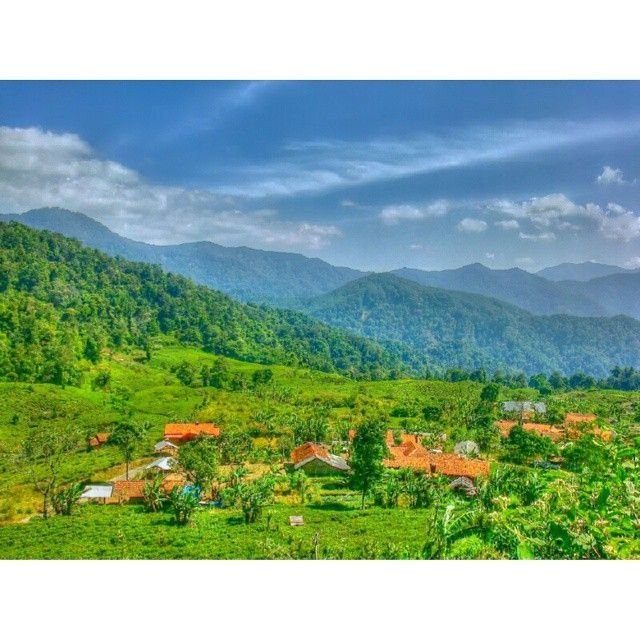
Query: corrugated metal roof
[[92, 491], [164, 464], [164, 444]]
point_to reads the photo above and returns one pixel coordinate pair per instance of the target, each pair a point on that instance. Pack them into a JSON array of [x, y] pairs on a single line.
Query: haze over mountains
[[468, 317], [250, 275], [471, 331]]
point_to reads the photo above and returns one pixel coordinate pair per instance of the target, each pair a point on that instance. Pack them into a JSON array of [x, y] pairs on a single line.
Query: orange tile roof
[[404, 437], [309, 450], [447, 464], [538, 428], [578, 418], [189, 431], [125, 490], [100, 438]]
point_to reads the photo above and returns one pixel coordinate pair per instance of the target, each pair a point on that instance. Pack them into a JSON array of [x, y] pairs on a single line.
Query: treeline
[[620, 378], [61, 303]]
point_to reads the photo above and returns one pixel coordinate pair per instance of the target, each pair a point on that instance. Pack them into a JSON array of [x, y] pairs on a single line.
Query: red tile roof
[[541, 429], [578, 418], [309, 450], [100, 438], [125, 490], [447, 464], [189, 431]]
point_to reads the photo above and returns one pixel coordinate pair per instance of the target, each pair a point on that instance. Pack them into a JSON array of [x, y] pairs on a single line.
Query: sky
[[371, 175]]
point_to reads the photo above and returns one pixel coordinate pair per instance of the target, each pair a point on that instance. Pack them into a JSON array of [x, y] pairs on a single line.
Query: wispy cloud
[[40, 168], [393, 214], [321, 165], [610, 176], [472, 225]]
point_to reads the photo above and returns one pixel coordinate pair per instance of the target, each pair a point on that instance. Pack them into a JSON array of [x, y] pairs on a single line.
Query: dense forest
[[61, 302], [455, 329]]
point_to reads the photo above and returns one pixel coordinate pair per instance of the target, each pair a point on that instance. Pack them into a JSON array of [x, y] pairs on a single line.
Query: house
[[183, 432], [316, 459], [539, 428], [164, 446], [127, 491], [99, 439], [447, 464], [524, 407], [162, 464], [98, 492], [133, 490]]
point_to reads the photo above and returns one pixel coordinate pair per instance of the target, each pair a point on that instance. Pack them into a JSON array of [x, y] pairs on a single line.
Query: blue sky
[[374, 175]]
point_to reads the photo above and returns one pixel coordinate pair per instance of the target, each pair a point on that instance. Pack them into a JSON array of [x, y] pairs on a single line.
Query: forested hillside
[[61, 302], [250, 275], [515, 286], [465, 330]]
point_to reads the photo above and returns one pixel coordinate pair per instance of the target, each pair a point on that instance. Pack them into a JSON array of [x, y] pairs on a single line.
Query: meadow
[[521, 512]]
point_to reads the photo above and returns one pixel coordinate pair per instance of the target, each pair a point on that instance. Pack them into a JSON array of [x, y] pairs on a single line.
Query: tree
[[490, 393], [153, 494], [299, 482], [523, 446], [126, 436], [261, 376], [432, 413], [43, 453], [252, 496], [199, 459], [368, 450], [183, 503], [64, 500]]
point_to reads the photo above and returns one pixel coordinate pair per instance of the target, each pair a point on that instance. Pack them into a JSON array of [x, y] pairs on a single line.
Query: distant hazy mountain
[[525, 290], [617, 294], [582, 271], [466, 330], [247, 274]]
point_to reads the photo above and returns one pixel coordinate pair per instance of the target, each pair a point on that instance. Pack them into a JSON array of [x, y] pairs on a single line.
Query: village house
[[164, 446], [162, 464], [411, 454], [539, 428], [99, 439], [316, 460], [97, 493], [512, 406], [183, 432]]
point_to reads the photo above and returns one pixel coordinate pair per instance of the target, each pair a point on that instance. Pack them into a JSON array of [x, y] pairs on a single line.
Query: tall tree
[[199, 459], [127, 436], [43, 453], [368, 450]]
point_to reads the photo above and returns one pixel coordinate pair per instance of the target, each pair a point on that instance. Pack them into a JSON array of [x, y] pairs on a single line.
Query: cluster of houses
[[405, 452], [121, 491], [572, 428]]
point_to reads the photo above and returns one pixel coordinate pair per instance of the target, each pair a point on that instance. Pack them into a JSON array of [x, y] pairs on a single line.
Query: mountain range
[[249, 275], [468, 317], [288, 279], [455, 329]]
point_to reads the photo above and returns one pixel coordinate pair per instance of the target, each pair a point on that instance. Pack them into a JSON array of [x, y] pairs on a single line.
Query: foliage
[[154, 495], [199, 460], [182, 503], [368, 449]]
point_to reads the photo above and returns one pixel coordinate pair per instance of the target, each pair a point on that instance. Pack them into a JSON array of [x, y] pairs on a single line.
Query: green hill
[[454, 329], [515, 286], [61, 302], [250, 275]]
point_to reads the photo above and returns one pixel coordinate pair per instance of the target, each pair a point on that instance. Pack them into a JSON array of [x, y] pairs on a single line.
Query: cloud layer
[[40, 168]]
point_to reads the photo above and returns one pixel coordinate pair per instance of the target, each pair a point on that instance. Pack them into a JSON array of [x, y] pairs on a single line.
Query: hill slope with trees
[[61, 303], [453, 329], [250, 275]]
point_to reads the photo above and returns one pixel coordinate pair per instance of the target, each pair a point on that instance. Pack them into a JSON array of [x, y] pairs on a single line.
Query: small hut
[[467, 449]]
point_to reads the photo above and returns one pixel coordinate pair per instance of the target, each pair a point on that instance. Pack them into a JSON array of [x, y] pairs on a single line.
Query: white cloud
[[524, 261], [40, 168], [610, 175], [633, 263], [415, 246], [555, 213], [348, 203], [472, 225], [394, 214], [490, 256], [320, 165], [508, 224], [536, 237]]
